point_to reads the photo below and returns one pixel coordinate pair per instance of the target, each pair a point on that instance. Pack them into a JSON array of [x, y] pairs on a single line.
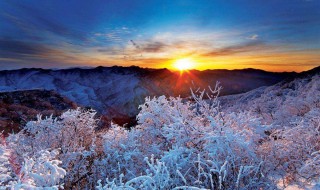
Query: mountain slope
[[288, 101], [117, 91], [19, 107]]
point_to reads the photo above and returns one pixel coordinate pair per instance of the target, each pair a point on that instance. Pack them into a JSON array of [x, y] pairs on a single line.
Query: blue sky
[[278, 35]]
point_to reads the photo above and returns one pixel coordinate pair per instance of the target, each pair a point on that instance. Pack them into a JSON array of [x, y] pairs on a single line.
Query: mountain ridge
[[133, 67], [118, 91], [285, 102]]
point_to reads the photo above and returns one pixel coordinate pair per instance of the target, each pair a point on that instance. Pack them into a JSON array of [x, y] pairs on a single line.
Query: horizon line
[[172, 70]]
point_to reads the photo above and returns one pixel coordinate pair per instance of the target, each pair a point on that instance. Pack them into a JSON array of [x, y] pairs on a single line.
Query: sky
[[274, 35]]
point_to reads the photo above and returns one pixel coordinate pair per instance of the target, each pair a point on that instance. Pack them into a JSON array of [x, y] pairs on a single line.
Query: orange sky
[[278, 35]]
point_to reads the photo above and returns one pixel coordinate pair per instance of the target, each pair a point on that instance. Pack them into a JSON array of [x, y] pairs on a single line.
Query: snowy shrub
[[189, 145], [177, 144], [72, 134], [37, 172], [41, 171], [7, 176], [292, 152], [122, 154]]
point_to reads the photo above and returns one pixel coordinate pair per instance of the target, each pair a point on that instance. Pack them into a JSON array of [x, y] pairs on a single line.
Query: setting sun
[[184, 64]]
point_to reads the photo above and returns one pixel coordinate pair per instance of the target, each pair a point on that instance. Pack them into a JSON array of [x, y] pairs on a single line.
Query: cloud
[[235, 49], [153, 47], [21, 54], [253, 37], [112, 35], [21, 51], [36, 22], [151, 62]]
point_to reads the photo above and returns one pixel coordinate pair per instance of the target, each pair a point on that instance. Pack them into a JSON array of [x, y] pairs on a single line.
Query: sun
[[184, 64]]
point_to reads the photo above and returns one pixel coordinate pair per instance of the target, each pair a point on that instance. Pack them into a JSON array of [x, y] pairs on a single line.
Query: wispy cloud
[[253, 37], [239, 48], [26, 52], [19, 49], [154, 47], [117, 35], [36, 21], [110, 36]]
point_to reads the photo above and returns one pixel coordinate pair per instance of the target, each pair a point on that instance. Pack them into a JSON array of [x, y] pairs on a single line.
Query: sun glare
[[184, 64]]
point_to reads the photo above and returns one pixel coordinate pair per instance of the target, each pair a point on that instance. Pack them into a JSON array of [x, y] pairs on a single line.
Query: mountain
[[18, 107], [117, 91], [293, 99]]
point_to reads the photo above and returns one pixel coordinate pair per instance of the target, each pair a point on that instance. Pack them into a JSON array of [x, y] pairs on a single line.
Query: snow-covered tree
[[42, 171], [177, 144], [7, 175], [73, 134], [189, 144]]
